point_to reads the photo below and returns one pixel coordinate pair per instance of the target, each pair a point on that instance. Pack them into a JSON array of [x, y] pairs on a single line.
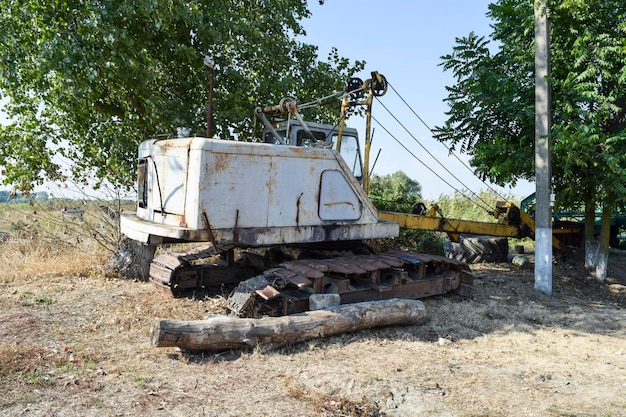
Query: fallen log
[[229, 332]]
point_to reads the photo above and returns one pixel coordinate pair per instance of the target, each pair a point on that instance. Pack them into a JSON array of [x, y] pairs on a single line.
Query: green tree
[[491, 114], [89, 80], [395, 192]]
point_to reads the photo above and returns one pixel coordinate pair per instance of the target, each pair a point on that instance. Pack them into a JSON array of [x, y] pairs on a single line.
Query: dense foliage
[[395, 192], [491, 114], [89, 80]]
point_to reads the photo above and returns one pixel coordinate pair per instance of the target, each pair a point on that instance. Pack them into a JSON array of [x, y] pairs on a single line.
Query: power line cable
[[429, 168], [435, 159], [448, 148]]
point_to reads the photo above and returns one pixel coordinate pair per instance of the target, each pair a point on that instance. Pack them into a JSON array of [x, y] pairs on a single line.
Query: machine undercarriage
[[276, 284]]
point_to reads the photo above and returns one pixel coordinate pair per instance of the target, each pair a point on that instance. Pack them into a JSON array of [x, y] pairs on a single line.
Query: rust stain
[[300, 151], [221, 162], [166, 144], [271, 178], [339, 203], [298, 209]]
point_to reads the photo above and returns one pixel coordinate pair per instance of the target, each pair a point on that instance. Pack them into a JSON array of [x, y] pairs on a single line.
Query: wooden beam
[[230, 332]]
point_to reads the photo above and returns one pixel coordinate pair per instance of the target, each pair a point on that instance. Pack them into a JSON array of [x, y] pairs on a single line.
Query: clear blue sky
[[404, 41]]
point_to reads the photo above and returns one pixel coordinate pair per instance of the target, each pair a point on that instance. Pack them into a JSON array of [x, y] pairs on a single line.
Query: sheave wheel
[[477, 249]]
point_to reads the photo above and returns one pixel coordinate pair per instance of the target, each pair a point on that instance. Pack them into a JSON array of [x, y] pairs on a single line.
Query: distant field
[[64, 220]]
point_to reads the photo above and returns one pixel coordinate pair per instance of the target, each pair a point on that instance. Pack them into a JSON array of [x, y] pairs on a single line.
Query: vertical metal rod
[[345, 104], [543, 174], [209, 120], [368, 142], [209, 111]]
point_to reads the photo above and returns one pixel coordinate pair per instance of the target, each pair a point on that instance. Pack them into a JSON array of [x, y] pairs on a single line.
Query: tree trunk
[[602, 262], [132, 259], [229, 332], [591, 243]]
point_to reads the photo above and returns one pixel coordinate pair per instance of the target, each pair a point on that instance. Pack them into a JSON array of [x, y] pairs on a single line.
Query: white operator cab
[[251, 194]]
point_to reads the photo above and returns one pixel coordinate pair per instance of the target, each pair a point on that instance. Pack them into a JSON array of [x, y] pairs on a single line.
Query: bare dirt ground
[[74, 342]]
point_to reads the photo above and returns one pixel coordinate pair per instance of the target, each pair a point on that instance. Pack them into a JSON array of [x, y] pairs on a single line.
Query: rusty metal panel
[[150, 232], [253, 185], [167, 191], [391, 260], [300, 281], [282, 273], [163, 289], [160, 273], [369, 262], [268, 292], [344, 266], [314, 263], [303, 268], [170, 261]]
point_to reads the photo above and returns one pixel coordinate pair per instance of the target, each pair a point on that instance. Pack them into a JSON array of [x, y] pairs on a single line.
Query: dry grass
[[36, 258], [74, 342]]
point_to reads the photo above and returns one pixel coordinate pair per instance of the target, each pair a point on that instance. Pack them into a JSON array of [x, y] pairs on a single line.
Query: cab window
[[351, 153]]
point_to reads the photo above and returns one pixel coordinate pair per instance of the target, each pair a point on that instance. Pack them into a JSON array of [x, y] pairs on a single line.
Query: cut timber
[[229, 332]]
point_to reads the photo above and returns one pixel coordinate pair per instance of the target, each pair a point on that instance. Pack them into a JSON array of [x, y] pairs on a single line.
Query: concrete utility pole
[[543, 169]]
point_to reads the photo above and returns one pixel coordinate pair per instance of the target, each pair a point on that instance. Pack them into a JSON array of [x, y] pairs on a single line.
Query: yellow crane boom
[[511, 222]]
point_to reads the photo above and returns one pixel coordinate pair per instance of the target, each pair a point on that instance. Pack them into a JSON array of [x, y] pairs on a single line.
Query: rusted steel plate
[[369, 262], [206, 247], [169, 261], [299, 281], [391, 260], [344, 266], [243, 295], [303, 268], [268, 292], [282, 273], [409, 258], [431, 258], [436, 258], [319, 264], [160, 273], [206, 250], [387, 261]]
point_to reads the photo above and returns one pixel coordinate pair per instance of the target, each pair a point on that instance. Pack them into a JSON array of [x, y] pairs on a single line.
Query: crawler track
[[173, 273], [396, 274], [285, 288]]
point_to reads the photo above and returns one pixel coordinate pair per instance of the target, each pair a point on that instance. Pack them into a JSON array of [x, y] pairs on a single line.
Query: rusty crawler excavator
[[293, 208]]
